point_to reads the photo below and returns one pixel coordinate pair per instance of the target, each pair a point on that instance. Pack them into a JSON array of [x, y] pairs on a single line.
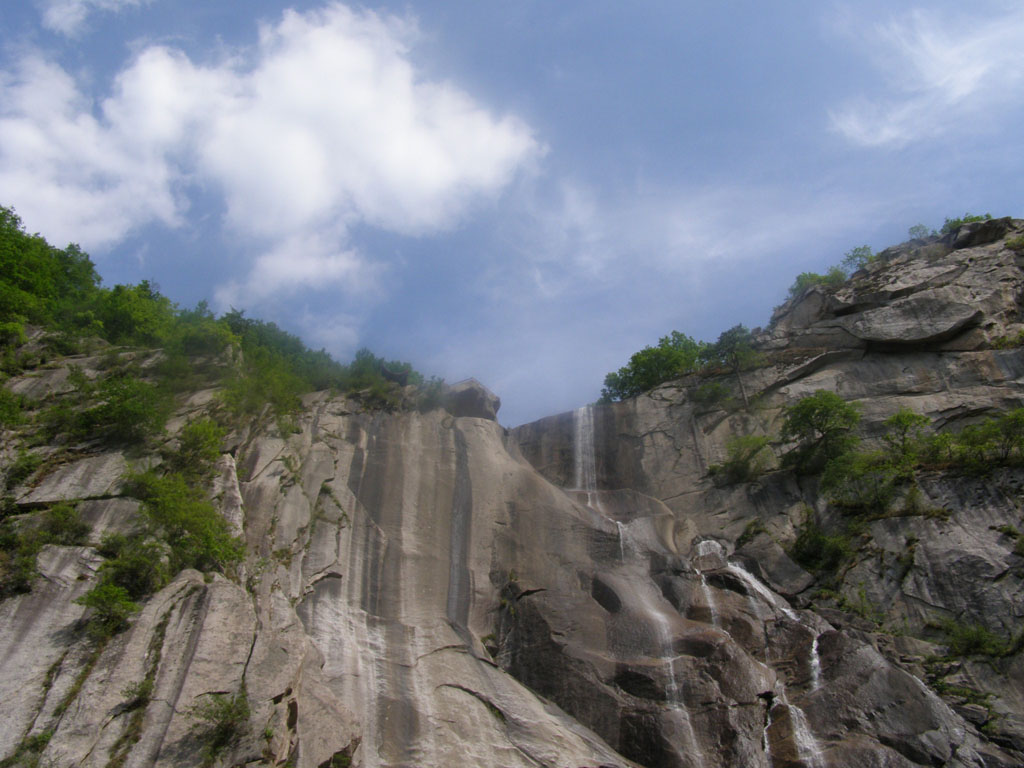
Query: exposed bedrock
[[430, 589]]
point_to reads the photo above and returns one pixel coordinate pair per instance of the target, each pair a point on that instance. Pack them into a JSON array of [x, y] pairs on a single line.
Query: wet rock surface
[[426, 589]]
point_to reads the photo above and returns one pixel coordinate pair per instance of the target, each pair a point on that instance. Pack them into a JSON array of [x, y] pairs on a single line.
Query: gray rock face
[[427, 590], [471, 398]]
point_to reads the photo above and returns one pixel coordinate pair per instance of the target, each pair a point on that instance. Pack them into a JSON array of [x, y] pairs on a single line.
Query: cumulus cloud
[[940, 73], [68, 16], [324, 125]]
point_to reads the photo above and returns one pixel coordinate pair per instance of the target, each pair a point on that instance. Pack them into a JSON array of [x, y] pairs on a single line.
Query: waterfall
[[766, 594], [673, 694], [766, 742], [815, 665], [583, 450], [806, 745], [709, 599]]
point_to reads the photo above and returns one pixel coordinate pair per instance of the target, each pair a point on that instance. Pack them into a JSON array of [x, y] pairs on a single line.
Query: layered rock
[[422, 589]]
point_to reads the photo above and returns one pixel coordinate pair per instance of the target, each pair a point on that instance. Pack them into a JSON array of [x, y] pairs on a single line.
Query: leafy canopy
[[821, 424], [675, 355]]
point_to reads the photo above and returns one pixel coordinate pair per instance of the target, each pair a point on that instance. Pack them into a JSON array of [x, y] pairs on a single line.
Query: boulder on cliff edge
[[471, 398]]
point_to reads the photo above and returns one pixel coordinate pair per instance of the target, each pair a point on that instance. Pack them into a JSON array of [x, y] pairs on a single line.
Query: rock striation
[[423, 589]]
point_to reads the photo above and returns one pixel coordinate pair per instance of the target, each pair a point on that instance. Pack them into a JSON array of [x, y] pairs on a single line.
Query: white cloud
[[577, 240], [324, 125], [68, 16], [942, 73]]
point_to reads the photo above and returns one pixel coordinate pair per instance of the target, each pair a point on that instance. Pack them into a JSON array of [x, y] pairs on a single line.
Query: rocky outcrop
[[471, 398], [423, 589]]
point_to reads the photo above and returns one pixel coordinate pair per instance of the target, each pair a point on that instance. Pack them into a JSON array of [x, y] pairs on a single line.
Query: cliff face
[[426, 589]]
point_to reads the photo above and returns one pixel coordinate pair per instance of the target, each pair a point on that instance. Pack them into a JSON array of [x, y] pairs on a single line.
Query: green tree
[[863, 481], [111, 607], [735, 349], [198, 448], [905, 437], [199, 537], [821, 424], [675, 355], [950, 225], [858, 258], [747, 457], [137, 314], [834, 278]]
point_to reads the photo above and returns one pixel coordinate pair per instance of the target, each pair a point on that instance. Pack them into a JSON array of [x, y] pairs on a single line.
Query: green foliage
[[138, 565], [60, 290], [29, 751], [21, 540], [905, 434], [111, 608], [834, 278], [137, 694], [858, 258], [1015, 243], [747, 457], [861, 481], [17, 560], [951, 225], [198, 536], [972, 640], [198, 448], [130, 410], [819, 552], [821, 424], [711, 393], [920, 232], [12, 333], [676, 355], [61, 524], [22, 468], [734, 349], [750, 531], [11, 406], [219, 720], [136, 314], [40, 283]]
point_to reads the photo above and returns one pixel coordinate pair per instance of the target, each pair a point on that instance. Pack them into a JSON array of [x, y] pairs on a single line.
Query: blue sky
[[524, 192]]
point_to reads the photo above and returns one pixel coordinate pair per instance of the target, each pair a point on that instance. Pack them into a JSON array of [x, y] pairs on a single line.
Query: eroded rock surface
[[426, 589]]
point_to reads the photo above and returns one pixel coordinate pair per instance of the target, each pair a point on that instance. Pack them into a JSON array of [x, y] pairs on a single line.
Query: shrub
[[111, 607], [675, 355], [858, 258], [131, 410], [22, 468], [821, 424], [198, 448], [818, 552], [920, 232], [904, 436], [28, 752], [747, 457], [62, 525], [951, 225], [711, 393], [1015, 243], [863, 481], [137, 694], [834, 278], [972, 640], [138, 566], [220, 720], [11, 406], [198, 536]]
